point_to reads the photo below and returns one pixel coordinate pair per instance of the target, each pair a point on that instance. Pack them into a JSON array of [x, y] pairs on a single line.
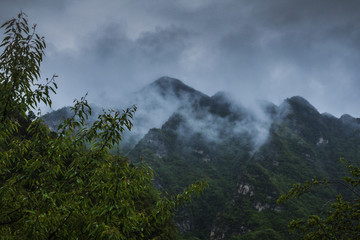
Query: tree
[[68, 186], [341, 221]]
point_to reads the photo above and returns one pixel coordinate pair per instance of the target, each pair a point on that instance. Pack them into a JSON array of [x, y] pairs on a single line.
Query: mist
[[268, 50], [230, 119]]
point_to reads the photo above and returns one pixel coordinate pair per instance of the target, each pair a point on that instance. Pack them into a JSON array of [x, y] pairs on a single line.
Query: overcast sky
[[254, 49]]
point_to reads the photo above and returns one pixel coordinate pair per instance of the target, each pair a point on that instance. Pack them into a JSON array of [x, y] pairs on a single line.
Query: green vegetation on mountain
[[245, 181], [66, 185]]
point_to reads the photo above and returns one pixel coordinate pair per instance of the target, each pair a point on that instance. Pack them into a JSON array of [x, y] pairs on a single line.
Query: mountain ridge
[[245, 179], [168, 86], [248, 160]]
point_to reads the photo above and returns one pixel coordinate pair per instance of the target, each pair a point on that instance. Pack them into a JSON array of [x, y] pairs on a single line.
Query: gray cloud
[[253, 49]]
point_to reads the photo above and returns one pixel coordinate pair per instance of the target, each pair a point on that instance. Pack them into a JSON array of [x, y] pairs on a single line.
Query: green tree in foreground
[[342, 220], [68, 186]]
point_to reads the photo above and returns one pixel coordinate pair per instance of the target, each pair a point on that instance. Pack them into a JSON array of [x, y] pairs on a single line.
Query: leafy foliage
[[68, 185], [341, 220], [20, 68]]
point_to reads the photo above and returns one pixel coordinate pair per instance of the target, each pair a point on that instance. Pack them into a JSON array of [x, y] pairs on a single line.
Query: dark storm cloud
[[110, 41], [253, 49], [112, 65], [159, 45], [163, 43], [296, 47]]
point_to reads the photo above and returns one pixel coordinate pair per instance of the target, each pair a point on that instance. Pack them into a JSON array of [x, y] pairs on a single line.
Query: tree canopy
[[67, 185], [342, 220]]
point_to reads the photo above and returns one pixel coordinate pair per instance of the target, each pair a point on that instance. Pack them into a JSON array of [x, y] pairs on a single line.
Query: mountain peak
[[300, 103], [348, 119], [223, 96], [172, 86], [167, 80], [299, 99]]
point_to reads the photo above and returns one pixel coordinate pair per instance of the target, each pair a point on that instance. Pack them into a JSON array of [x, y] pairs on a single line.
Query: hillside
[[155, 103], [248, 158]]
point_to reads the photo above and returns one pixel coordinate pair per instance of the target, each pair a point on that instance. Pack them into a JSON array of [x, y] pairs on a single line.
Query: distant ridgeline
[[249, 158]]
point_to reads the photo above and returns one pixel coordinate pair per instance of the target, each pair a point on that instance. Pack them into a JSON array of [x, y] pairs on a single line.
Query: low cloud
[[254, 49], [233, 121]]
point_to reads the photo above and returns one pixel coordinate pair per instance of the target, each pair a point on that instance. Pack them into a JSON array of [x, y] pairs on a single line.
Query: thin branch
[[10, 222], [57, 229], [344, 185]]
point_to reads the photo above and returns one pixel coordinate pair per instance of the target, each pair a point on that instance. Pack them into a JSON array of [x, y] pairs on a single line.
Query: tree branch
[[339, 182], [57, 229]]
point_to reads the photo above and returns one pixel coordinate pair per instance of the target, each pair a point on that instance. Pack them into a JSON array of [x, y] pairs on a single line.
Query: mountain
[[248, 161], [155, 103], [248, 156]]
